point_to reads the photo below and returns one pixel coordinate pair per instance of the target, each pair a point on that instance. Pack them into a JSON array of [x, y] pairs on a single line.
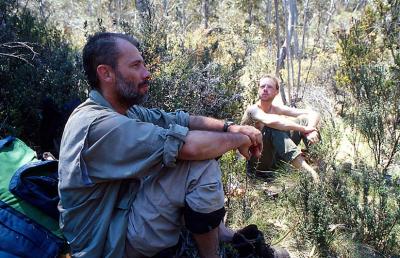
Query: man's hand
[[245, 149], [312, 137], [308, 129], [254, 134], [255, 151]]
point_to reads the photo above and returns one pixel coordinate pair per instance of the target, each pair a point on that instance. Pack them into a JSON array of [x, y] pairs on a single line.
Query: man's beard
[[129, 91]]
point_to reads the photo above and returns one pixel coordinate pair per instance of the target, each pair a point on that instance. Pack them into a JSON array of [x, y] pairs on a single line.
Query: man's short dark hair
[[101, 48]]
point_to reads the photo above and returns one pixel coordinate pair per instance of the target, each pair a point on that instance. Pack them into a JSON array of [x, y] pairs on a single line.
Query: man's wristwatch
[[226, 125]]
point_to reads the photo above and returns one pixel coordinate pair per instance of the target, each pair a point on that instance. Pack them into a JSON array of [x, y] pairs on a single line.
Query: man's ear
[[105, 73]]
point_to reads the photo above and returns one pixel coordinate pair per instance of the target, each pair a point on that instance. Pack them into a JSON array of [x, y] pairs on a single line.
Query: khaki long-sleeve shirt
[[103, 157]]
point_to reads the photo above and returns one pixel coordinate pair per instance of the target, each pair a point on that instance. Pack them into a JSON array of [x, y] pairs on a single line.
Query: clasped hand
[[254, 146], [312, 137]]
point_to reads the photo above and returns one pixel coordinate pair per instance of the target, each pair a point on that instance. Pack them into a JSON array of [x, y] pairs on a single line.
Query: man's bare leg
[[299, 162], [208, 243]]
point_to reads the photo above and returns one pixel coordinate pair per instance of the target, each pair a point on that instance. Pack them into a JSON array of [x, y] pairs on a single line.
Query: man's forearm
[[313, 119], [222, 143], [203, 123], [282, 123], [201, 145]]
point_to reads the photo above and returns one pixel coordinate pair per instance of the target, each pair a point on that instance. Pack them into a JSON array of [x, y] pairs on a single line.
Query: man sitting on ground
[[283, 128]]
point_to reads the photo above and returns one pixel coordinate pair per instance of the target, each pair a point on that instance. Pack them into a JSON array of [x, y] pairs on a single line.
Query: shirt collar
[[99, 99]]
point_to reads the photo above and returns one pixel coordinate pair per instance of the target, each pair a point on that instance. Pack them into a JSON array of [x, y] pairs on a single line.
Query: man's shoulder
[[251, 108], [90, 108], [248, 116], [90, 112]]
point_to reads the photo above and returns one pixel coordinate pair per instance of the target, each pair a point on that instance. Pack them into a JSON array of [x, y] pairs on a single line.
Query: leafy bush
[[355, 204], [368, 69], [235, 187], [38, 67], [185, 68]]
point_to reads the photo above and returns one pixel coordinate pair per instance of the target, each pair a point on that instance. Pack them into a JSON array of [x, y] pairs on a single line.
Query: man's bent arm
[[312, 116], [211, 124], [278, 122], [201, 145]]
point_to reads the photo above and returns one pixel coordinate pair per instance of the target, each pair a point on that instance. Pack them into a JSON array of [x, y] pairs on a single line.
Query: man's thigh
[[155, 218], [285, 149], [278, 146]]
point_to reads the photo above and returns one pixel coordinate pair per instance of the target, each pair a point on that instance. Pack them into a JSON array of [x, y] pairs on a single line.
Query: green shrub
[[37, 64], [356, 205]]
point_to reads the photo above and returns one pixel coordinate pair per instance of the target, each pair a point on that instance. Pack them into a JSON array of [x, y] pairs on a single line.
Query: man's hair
[[276, 81], [101, 48]]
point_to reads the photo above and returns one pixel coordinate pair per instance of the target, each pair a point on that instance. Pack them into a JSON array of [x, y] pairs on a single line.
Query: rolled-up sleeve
[[175, 138], [159, 117], [120, 147]]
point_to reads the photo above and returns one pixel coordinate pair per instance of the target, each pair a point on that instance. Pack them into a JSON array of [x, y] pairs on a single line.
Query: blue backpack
[[28, 203]]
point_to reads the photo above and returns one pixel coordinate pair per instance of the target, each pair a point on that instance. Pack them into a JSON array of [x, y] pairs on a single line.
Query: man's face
[[131, 74], [267, 89]]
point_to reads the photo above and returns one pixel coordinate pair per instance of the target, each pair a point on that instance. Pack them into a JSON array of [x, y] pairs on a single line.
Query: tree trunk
[[316, 42], [268, 12], [279, 61], [268, 20], [250, 13], [300, 56], [90, 10], [288, 47], [293, 14], [181, 16], [291, 18], [331, 11], [165, 4], [280, 53], [118, 10], [142, 5], [360, 4], [206, 13], [41, 8]]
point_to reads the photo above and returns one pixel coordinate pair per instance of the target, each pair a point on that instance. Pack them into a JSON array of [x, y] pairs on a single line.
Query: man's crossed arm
[[206, 139], [278, 119]]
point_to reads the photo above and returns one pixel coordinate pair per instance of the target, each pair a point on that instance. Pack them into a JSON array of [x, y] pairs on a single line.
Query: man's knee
[[273, 138], [204, 201], [200, 223]]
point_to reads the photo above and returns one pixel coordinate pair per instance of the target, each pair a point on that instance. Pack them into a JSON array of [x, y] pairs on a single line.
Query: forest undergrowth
[[353, 212]]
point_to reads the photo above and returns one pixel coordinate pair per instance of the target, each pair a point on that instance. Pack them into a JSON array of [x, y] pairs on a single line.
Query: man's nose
[[146, 74]]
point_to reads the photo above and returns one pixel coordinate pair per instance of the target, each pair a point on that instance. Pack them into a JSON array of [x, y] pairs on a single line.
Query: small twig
[[20, 57], [286, 234], [312, 252], [18, 45], [392, 153]]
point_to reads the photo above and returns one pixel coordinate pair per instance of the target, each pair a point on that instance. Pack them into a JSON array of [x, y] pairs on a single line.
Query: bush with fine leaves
[[39, 69]]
